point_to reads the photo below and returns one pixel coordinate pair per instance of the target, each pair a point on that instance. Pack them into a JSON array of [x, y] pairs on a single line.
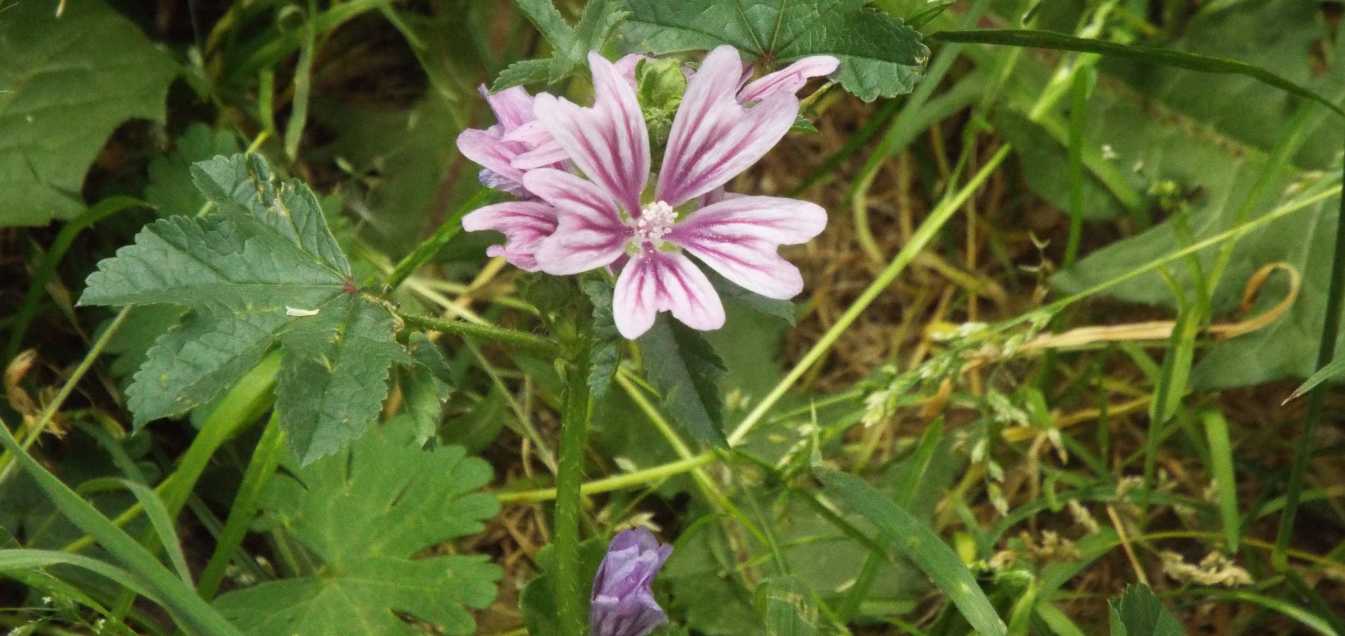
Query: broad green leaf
[[787, 607], [685, 369], [1139, 613], [915, 540], [605, 341], [366, 513], [170, 186], [68, 83], [880, 56], [1210, 144], [263, 269]]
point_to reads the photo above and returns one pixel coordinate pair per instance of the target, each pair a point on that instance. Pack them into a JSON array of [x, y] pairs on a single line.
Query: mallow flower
[[622, 603], [609, 219]]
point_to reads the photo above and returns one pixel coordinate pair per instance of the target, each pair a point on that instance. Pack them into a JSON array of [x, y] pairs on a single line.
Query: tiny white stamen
[[295, 311], [656, 220]]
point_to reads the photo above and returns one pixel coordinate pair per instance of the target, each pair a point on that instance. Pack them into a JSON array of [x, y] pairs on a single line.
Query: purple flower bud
[[622, 603]]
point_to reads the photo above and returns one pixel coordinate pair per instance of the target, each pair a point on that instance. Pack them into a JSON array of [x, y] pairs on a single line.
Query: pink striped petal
[[714, 138], [609, 141], [524, 225], [738, 238], [485, 148], [658, 281], [789, 79], [512, 106], [589, 232]]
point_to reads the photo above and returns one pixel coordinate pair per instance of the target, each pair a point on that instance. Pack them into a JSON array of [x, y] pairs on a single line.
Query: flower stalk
[[574, 429]]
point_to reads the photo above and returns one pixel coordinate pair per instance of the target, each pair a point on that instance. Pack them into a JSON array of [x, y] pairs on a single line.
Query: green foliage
[[170, 188], [787, 607], [685, 370], [1211, 141], [264, 269], [1138, 612], [570, 44], [366, 514], [605, 341], [68, 82], [880, 56], [914, 540], [538, 599]]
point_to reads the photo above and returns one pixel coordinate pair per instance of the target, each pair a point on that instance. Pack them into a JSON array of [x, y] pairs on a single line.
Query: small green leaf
[[425, 388], [605, 347], [68, 82], [783, 309], [880, 56], [1139, 613], [523, 72], [366, 513], [917, 542], [549, 22], [685, 369]]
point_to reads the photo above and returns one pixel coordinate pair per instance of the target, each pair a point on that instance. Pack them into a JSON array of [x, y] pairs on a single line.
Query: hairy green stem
[[574, 428], [1326, 351], [519, 339], [448, 230]]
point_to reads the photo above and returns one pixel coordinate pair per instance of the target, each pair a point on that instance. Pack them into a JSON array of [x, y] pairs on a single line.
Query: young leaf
[[1139, 613], [914, 540], [263, 269], [880, 56], [365, 513], [605, 350], [570, 44], [685, 370], [69, 82]]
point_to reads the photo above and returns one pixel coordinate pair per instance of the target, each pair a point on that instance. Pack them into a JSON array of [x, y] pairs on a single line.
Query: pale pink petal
[[589, 232], [657, 281], [524, 225], [609, 141], [547, 155], [626, 66], [738, 238], [485, 148], [714, 138], [789, 79], [512, 106]]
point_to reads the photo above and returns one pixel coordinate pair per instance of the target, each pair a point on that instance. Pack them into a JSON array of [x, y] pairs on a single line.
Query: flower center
[[656, 220]]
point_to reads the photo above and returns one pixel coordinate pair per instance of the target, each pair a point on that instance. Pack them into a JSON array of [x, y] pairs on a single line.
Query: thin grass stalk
[[1326, 351]]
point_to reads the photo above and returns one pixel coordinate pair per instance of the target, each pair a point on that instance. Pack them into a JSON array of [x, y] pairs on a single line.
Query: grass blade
[[917, 542], [1226, 486], [265, 459], [26, 559], [155, 511], [1030, 38], [177, 597]]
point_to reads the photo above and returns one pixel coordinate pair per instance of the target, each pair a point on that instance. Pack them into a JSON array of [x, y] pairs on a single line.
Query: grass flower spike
[[610, 217], [622, 603]]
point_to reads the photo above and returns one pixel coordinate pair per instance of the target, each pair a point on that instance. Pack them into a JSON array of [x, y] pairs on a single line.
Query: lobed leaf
[[366, 513], [880, 55], [685, 369]]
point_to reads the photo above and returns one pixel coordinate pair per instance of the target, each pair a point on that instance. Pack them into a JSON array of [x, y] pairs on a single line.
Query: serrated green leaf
[[523, 72], [425, 387], [365, 513], [243, 185], [264, 269], [170, 186], [549, 22], [880, 56], [605, 347], [596, 23], [197, 360], [1139, 613], [68, 83], [915, 540], [685, 370], [773, 307], [334, 362]]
